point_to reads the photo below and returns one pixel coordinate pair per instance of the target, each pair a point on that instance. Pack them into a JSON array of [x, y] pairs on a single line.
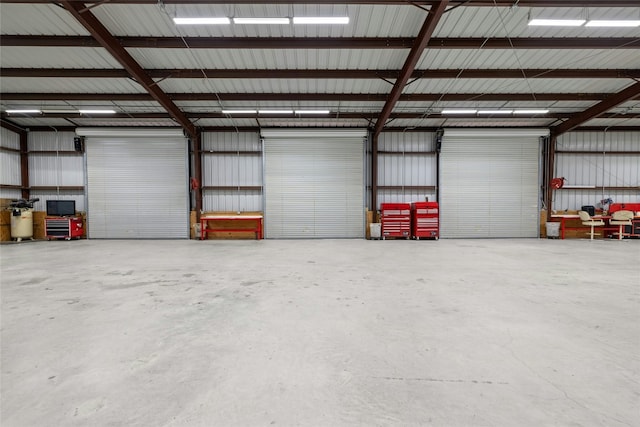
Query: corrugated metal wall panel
[[406, 196], [49, 170], [231, 170], [10, 173], [574, 199], [41, 205], [414, 170], [399, 169], [600, 141], [407, 141], [9, 139], [7, 193], [225, 141], [54, 169], [38, 141], [598, 170], [232, 201]]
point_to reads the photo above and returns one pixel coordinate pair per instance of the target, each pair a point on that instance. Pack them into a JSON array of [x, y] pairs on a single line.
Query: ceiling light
[[459, 111], [530, 111], [321, 20], [202, 21], [275, 111], [313, 111], [558, 22], [597, 23], [60, 111], [23, 111], [250, 21], [238, 111], [495, 111], [96, 111]]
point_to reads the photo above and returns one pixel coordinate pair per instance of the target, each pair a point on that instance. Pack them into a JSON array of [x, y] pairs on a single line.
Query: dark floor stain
[[33, 281], [188, 275], [442, 380], [120, 273], [250, 283], [131, 285]]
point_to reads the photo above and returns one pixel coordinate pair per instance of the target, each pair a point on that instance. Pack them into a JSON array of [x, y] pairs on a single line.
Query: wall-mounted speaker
[[78, 143]]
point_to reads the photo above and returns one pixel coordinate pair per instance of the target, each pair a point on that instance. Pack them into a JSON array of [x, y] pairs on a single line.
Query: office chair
[[587, 220], [621, 218]]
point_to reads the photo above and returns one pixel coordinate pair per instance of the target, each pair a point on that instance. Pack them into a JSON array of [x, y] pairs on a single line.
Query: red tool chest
[[395, 219], [63, 228], [425, 220]]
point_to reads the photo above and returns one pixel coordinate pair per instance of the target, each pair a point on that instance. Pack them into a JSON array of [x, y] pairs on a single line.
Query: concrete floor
[[321, 333]]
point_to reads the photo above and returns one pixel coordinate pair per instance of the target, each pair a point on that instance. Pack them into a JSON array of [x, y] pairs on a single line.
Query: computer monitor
[[61, 207]]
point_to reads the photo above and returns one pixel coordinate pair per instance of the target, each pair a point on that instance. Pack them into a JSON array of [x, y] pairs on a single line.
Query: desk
[[254, 220], [564, 217]]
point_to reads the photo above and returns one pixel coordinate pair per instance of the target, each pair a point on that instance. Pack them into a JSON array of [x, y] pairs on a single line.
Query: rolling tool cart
[[425, 220], [66, 228], [395, 219]]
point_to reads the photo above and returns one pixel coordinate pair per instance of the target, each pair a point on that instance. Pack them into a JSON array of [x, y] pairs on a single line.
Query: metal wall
[[9, 164], [231, 170], [61, 166], [404, 160], [398, 169], [598, 170]]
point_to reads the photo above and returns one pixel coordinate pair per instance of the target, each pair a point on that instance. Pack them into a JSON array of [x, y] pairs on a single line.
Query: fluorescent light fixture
[[558, 22], [530, 111], [275, 111], [620, 23], [239, 111], [23, 111], [313, 111], [495, 111], [202, 21], [96, 111], [60, 111], [321, 20], [459, 111], [253, 21]]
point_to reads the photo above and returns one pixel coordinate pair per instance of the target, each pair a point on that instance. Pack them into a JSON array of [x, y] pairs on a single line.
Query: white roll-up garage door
[[489, 183], [314, 183], [137, 184]]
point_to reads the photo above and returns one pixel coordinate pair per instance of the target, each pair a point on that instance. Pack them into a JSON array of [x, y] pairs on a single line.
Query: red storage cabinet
[[395, 219], [63, 228], [425, 220]]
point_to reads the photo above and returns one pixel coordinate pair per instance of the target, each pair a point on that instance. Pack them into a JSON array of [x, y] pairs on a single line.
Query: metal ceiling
[[396, 65]]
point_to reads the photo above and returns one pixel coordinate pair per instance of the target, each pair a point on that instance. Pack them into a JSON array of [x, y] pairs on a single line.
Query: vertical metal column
[[550, 162], [197, 165], [24, 165], [374, 172]]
